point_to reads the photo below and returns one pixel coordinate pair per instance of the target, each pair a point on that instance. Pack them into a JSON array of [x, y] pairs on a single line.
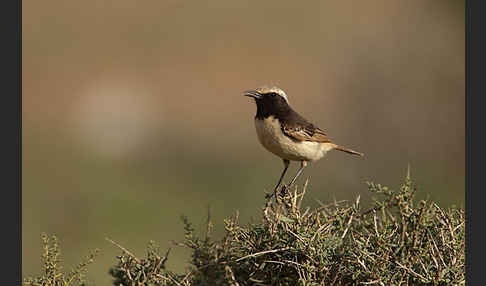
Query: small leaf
[[286, 219]]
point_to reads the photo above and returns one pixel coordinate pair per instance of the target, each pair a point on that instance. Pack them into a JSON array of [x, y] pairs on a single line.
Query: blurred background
[[133, 114]]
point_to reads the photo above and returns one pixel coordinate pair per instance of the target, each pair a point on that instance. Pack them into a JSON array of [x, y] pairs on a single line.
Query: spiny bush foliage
[[52, 269], [396, 242], [148, 271]]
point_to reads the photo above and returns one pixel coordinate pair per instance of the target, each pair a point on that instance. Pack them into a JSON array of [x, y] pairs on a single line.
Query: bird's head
[[268, 96], [270, 100]]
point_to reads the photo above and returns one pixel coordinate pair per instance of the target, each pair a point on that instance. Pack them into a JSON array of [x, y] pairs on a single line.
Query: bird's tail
[[347, 150]]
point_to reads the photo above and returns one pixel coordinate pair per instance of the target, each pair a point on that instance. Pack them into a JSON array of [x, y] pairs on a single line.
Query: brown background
[[133, 113]]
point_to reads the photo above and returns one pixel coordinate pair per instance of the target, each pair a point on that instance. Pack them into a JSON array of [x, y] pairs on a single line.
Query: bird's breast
[[270, 135]]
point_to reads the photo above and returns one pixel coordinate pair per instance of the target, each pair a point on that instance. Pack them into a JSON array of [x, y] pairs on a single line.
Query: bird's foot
[[284, 191], [278, 192]]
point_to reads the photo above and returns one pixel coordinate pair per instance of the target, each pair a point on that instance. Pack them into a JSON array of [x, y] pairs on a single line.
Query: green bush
[[52, 269], [395, 242]]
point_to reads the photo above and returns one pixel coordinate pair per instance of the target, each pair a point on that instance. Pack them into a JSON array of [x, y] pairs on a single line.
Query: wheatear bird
[[286, 133]]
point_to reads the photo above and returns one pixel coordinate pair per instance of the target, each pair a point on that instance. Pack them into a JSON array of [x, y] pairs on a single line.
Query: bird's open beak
[[252, 93]]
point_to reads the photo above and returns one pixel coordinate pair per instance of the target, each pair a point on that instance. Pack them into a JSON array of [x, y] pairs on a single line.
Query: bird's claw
[[283, 191], [278, 192]]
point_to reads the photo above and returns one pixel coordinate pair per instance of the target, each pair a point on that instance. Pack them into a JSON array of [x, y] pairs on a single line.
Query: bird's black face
[[271, 99], [268, 103]]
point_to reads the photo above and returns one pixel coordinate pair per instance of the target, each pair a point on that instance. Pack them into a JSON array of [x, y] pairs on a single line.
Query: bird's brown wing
[[305, 132]]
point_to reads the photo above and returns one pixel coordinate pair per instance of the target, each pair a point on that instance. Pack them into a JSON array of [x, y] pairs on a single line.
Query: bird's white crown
[[272, 88]]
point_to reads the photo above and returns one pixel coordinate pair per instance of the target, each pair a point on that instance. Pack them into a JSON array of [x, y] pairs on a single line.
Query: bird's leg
[[286, 164], [303, 164]]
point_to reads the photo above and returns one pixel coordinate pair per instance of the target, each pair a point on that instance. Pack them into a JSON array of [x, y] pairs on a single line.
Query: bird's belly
[[274, 140]]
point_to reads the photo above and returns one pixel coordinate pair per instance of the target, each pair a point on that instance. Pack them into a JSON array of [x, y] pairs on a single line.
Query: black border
[[468, 145], [11, 123]]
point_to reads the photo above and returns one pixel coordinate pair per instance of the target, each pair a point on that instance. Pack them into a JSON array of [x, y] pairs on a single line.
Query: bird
[[287, 134]]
